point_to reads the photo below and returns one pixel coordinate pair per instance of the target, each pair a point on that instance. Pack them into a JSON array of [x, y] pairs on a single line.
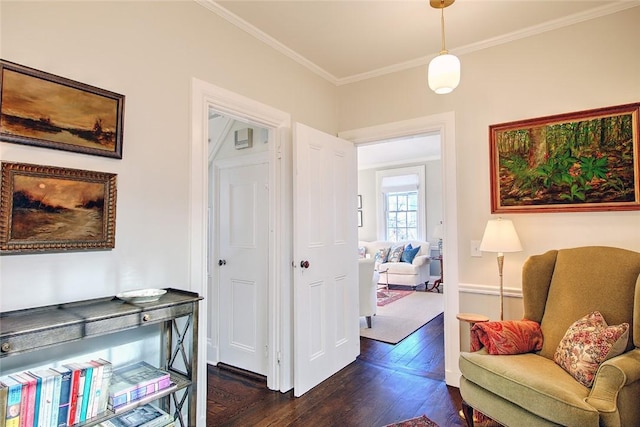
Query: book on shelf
[[94, 392], [65, 396], [73, 393], [103, 394], [143, 416], [28, 401], [3, 404], [133, 382], [48, 383], [87, 396], [77, 393], [14, 398]]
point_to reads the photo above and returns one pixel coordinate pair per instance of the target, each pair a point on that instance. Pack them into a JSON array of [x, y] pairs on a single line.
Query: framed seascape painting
[[52, 209], [582, 161], [41, 109]]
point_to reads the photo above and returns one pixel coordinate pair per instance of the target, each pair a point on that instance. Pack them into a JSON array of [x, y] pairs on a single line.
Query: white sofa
[[415, 274]]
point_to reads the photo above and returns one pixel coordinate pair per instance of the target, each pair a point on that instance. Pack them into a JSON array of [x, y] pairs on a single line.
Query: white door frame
[[203, 97], [444, 124]]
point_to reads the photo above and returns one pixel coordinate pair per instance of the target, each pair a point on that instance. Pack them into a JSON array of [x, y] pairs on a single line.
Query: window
[[402, 215], [401, 206]]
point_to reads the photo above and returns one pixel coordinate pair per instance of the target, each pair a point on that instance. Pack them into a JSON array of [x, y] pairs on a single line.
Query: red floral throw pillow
[[507, 336], [587, 343]]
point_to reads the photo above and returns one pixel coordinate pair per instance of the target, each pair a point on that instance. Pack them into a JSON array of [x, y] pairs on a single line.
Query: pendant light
[[444, 69]]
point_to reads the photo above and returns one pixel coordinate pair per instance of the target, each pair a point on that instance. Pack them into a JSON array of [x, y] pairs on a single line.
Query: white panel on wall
[[317, 188]]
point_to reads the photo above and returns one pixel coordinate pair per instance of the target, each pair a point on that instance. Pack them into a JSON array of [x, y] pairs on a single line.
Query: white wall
[[583, 66], [148, 51]]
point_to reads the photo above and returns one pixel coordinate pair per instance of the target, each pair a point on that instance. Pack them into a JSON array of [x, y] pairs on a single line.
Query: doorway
[[238, 231], [444, 125]]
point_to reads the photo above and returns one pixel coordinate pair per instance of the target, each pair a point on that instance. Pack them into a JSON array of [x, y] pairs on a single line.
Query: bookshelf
[[41, 328]]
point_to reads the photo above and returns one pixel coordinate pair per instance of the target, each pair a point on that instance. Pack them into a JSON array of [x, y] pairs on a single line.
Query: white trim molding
[[205, 96], [472, 288]]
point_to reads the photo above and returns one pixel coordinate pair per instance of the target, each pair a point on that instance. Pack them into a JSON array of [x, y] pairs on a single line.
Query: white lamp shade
[[500, 236], [444, 73]]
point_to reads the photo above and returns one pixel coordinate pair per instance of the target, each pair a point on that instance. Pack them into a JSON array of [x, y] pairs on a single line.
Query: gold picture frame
[[584, 161], [53, 209], [45, 110]]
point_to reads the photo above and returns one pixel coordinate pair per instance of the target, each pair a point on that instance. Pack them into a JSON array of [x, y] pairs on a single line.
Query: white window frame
[[380, 199]]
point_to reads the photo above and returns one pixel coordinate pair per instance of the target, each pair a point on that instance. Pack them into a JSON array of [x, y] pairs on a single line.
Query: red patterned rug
[[422, 421], [388, 296]]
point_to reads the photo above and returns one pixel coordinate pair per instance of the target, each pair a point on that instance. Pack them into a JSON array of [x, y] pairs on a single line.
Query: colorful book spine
[[14, 398], [36, 407], [64, 396], [138, 393], [27, 412], [107, 371], [55, 403], [77, 396], [73, 393], [44, 408], [3, 404], [96, 386], [87, 391], [23, 398]]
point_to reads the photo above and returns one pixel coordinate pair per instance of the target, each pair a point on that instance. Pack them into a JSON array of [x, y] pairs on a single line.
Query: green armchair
[[531, 389]]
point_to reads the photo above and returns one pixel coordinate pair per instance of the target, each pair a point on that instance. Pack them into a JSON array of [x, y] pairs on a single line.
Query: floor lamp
[[500, 236]]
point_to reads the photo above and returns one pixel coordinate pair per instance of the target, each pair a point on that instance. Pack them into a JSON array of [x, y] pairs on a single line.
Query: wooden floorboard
[[387, 383]]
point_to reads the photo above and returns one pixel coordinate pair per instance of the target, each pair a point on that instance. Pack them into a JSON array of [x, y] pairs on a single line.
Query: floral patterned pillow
[[587, 343], [381, 256], [395, 254]]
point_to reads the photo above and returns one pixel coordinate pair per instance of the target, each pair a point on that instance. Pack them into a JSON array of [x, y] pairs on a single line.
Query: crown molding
[[597, 12]]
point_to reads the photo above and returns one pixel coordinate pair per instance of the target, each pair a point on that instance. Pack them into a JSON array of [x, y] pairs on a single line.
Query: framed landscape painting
[[51, 209], [41, 109], [582, 161]]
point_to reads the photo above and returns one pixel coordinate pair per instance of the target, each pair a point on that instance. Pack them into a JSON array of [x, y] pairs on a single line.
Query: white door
[[326, 328], [243, 265]]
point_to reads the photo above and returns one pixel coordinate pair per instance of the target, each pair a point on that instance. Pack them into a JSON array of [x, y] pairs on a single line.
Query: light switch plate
[[475, 248]]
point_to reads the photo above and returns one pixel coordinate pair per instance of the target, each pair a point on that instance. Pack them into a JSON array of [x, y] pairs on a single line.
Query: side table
[[438, 282], [472, 318]]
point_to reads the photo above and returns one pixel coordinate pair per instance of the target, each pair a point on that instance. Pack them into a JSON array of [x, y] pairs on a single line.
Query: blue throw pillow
[[410, 253]]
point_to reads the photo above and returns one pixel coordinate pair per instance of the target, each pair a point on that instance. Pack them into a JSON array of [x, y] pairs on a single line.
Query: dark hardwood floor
[[386, 384]]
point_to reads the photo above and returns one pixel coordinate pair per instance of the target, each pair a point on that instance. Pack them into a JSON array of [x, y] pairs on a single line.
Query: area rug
[[397, 320], [422, 421], [388, 296]]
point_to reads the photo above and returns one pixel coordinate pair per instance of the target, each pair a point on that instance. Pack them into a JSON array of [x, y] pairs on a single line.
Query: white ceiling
[[350, 40], [396, 152]]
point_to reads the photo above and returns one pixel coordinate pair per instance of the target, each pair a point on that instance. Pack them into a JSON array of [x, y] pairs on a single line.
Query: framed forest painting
[[44, 110], [582, 161], [52, 209]]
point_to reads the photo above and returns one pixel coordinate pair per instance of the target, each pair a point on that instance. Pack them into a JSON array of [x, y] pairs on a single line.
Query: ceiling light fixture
[[444, 69]]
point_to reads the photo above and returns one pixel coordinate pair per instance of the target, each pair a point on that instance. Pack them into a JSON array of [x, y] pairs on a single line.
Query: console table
[[36, 329]]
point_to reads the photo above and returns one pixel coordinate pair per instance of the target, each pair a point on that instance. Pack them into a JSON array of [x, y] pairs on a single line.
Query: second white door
[[243, 266]]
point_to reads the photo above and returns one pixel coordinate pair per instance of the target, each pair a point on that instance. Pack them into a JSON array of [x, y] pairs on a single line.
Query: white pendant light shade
[[444, 73]]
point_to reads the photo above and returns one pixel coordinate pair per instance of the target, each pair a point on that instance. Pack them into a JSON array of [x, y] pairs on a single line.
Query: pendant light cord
[[444, 50]]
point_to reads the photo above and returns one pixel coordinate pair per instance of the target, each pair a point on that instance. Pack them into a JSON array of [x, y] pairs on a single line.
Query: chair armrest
[[612, 375], [421, 260]]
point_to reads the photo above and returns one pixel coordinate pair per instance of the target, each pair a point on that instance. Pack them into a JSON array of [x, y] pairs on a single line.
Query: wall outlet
[[475, 248]]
